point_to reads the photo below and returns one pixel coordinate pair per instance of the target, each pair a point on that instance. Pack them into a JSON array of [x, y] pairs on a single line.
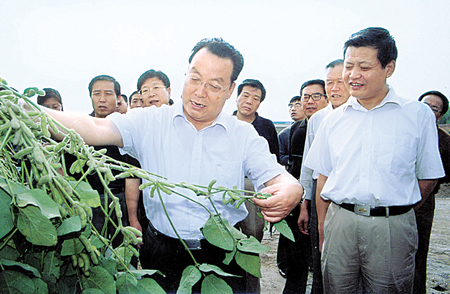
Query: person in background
[[298, 253], [337, 94], [122, 104], [105, 91], [377, 157], [51, 99], [425, 213], [136, 100], [154, 87], [194, 141], [250, 94], [296, 113]]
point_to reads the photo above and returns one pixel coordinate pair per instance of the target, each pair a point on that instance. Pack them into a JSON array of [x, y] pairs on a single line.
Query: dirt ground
[[438, 280]]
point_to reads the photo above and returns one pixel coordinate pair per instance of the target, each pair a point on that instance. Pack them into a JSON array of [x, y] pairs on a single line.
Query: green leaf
[[69, 225], [125, 255], [51, 271], [12, 187], [28, 268], [40, 287], [237, 234], [36, 227], [284, 229], [251, 245], [71, 246], [127, 284], [5, 214], [16, 283], [204, 267], [149, 285], [249, 262], [213, 284], [110, 264], [215, 231], [9, 252], [141, 273], [229, 256], [191, 275], [97, 241], [38, 198], [99, 279], [88, 195]]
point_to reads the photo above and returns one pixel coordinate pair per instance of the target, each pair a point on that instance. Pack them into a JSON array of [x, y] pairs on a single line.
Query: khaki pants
[[368, 254]]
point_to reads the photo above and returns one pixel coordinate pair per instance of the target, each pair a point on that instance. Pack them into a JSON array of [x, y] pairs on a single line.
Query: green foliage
[[47, 241]]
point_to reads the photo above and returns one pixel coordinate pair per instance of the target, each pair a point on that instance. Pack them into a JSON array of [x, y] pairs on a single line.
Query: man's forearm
[[426, 187]]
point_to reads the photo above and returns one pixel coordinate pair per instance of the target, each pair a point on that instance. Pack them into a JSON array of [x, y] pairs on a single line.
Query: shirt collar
[[391, 97], [178, 112]]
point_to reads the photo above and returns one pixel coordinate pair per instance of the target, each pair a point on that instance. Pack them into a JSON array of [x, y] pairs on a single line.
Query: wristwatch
[[303, 196]]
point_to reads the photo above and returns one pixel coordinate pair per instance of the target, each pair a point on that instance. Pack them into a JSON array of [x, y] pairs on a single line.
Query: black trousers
[[168, 255], [297, 256], [317, 285]]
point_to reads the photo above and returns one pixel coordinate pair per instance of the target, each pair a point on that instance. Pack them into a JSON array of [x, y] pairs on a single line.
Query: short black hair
[[105, 78], [220, 48], [377, 38], [440, 95], [49, 93], [255, 84], [124, 98], [312, 82], [295, 98], [334, 63], [134, 92], [151, 73]]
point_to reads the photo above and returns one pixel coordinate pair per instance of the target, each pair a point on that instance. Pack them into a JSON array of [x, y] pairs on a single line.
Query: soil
[[438, 268]]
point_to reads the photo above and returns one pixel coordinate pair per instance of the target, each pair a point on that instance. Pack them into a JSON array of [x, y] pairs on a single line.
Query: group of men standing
[[369, 156]]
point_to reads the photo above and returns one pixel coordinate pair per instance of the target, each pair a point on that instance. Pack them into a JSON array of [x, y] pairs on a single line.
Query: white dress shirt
[[375, 157], [166, 143]]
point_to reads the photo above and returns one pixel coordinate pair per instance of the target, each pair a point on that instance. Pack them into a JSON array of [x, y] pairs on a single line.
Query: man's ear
[[169, 90], [390, 68], [231, 89]]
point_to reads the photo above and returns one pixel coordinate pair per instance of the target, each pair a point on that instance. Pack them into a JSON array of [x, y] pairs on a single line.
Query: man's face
[[122, 106], [364, 77], [248, 101], [136, 101], [52, 103], [337, 93], [207, 88], [311, 106], [436, 104], [154, 92], [104, 99], [296, 110]]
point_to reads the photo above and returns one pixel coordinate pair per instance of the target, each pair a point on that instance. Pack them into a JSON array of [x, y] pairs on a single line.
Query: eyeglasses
[[194, 80], [295, 105], [314, 96], [146, 91], [435, 108]]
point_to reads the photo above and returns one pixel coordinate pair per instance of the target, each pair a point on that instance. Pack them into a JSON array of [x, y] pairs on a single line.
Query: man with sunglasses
[[195, 142]]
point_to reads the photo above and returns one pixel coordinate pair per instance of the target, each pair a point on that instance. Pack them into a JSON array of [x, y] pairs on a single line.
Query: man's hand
[[137, 225], [303, 218], [286, 192]]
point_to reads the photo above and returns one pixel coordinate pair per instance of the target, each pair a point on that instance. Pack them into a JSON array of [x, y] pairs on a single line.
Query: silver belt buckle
[[362, 210], [193, 244]]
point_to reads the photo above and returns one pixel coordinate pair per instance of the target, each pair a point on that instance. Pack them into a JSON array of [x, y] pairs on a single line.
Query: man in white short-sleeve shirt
[[377, 157]]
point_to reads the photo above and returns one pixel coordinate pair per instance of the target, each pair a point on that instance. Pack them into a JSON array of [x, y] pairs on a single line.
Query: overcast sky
[[64, 44]]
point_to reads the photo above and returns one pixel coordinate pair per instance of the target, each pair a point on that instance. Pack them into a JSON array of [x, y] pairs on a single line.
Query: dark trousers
[[168, 255], [424, 219], [317, 286], [297, 256]]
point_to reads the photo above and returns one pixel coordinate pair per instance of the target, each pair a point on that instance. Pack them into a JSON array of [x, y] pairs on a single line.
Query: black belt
[[192, 244], [368, 210]]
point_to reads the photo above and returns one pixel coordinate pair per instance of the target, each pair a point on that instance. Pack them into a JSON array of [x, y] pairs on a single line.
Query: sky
[[64, 44]]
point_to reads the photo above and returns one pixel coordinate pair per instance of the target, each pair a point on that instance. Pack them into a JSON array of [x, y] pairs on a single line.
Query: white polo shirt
[[376, 156]]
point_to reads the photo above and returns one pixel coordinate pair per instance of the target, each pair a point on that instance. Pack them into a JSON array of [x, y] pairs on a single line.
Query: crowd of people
[[374, 160]]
